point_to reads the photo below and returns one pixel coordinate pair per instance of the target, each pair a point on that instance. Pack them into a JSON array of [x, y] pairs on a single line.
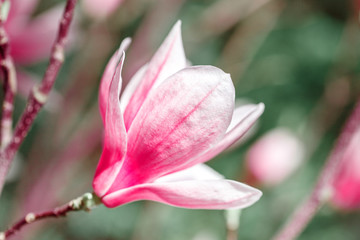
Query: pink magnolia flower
[[347, 183], [170, 119], [274, 157], [100, 8]]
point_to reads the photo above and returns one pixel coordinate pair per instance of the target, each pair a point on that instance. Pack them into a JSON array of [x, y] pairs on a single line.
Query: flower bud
[[347, 183], [274, 157]]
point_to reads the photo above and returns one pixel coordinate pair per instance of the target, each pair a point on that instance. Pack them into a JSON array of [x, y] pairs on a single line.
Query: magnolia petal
[[239, 114], [115, 138], [205, 194], [245, 120], [197, 172], [168, 59], [132, 86], [186, 115], [108, 76], [33, 42]]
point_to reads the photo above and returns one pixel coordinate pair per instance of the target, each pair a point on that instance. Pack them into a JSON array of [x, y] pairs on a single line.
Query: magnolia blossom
[[274, 157], [100, 8], [170, 119], [347, 183]]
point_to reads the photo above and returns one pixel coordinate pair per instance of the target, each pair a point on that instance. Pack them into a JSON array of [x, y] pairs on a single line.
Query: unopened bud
[[275, 157]]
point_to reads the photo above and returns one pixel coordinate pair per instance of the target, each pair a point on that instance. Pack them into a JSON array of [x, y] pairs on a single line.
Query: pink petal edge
[[243, 124], [132, 86], [208, 194], [167, 60], [115, 143], [198, 172], [108, 76]]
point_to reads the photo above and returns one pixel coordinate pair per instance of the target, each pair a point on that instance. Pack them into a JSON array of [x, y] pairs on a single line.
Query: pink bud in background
[[347, 184], [100, 8], [31, 38], [274, 157], [170, 119]]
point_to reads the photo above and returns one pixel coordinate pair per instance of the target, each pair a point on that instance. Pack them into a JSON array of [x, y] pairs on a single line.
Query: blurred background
[[301, 58]]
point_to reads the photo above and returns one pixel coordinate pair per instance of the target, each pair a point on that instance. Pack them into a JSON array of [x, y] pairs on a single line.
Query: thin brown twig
[[39, 94], [32, 217], [323, 187], [85, 202], [7, 69]]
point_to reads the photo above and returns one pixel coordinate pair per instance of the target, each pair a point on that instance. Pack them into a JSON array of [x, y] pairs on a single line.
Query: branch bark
[[9, 83], [39, 94], [323, 187], [84, 203]]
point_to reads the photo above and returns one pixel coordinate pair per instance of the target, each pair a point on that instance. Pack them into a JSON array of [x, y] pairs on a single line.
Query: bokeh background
[[299, 57]]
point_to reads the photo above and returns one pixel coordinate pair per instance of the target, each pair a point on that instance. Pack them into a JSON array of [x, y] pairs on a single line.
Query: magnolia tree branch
[[323, 188], [9, 80], [83, 203], [39, 94]]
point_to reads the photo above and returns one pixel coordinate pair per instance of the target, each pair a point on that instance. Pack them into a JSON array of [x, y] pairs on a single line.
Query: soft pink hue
[[347, 183], [275, 157], [100, 8], [170, 119], [31, 38]]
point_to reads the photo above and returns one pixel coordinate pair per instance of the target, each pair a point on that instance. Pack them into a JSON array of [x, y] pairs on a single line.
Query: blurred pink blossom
[[170, 119], [347, 183], [100, 8], [31, 38], [274, 157]]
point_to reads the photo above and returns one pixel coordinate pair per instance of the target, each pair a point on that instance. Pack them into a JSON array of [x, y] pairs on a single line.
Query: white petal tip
[[176, 29], [260, 108], [124, 45], [178, 24], [252, 198], [122, 59]]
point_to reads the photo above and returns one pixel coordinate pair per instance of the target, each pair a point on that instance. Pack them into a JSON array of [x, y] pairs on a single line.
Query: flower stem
[[39, 94], [232, 217], [323, 187], [84, 203]]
